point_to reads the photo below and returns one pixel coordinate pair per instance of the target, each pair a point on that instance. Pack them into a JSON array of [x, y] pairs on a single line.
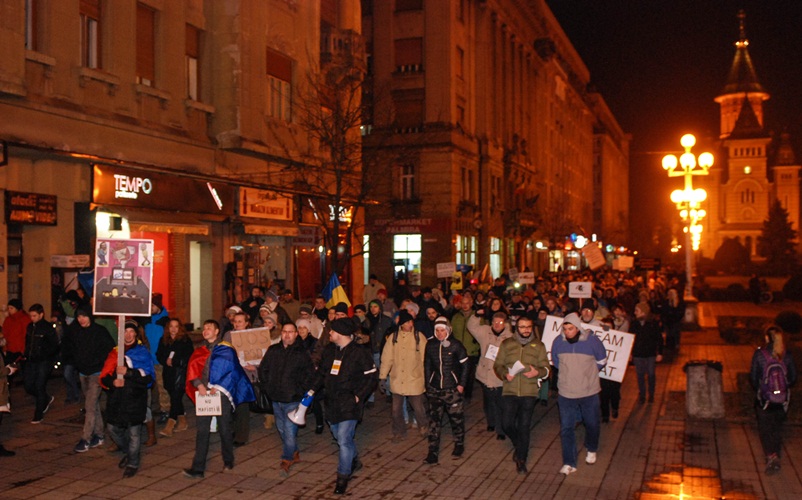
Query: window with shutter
[[145, 45], [279, 85], [89, 12], [193, 41]]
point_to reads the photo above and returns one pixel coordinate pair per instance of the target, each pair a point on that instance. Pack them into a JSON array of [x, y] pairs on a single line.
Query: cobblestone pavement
[[652, 451]]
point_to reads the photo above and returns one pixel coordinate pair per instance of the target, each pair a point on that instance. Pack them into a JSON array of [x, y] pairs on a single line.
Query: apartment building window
[[747, 196], [31, 27], [409, 115], [460, 63], [466, 250], [467, 184], [406, 182], [89, 11], [461, 10], [495, 257], [279, 85], [495, 191], [193, 62], [401, 5], [145, 45], [409, 55]]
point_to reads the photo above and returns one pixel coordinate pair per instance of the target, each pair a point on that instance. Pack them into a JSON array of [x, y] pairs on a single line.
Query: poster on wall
[[123, 277]]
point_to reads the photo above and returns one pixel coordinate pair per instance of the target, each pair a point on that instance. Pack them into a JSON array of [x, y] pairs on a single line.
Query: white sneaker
[[591, 458], [567, 469]]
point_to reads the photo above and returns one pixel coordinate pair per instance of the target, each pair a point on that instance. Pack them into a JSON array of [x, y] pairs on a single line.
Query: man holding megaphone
[[285, 374]]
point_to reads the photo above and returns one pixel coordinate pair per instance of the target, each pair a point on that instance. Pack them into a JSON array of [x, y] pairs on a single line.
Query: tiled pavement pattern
[[651, 452]]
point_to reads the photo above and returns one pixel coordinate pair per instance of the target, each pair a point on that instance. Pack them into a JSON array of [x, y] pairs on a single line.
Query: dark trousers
[[517, 422], [128, 438], [769, 427], [242, 423], [36, 374], [452, 404], [225, 430], [610, 397], [470, 365], [176, 403], [494, 407], [417, 402]]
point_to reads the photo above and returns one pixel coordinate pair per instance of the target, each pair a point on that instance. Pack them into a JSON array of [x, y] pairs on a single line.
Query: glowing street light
[[688, 201]]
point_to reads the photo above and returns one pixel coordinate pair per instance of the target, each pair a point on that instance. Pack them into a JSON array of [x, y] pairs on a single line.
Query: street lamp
[[689, 200]]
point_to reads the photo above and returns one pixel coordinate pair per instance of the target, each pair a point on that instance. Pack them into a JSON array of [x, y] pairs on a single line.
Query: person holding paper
[[215, 368], [127, 402], [490, 338], [446, 368], [579, 355], [522, 363]]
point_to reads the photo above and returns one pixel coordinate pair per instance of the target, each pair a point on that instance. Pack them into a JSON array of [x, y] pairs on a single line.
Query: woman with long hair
[[773, 372], [175, 349]]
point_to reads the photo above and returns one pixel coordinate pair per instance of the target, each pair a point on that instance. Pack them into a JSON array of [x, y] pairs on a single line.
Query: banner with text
[[618, 346]]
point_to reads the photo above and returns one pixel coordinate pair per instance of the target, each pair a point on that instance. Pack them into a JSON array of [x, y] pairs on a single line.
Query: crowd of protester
[[427, 350]]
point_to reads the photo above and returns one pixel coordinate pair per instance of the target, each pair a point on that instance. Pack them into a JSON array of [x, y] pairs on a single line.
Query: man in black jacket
[[41, 348], [285, 375], [89, 344], [446, 372], [349, 376]]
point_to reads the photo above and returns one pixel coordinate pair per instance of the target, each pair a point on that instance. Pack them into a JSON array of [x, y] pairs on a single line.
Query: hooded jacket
[[444, 366]]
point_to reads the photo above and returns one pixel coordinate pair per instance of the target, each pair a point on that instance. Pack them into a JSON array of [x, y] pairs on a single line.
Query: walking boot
[[182, 424], [342, 484], [270, 421], [168, 429], [152, 439]]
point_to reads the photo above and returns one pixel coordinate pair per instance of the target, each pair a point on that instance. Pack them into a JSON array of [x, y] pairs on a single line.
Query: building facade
[[167, 120], [502, 144]]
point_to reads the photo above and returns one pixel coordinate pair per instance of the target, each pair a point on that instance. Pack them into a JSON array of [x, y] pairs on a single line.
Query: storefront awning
[[164, 222]]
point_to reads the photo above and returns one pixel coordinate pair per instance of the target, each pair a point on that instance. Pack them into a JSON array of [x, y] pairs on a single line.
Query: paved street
[[651, 452]]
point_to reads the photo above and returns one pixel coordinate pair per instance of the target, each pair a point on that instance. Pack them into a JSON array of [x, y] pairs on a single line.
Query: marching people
[[522, 363], [285, 375], [579, 355], [215, 368], [459, 330], [5, 372], [41, 349], [446, 374], [127, 386], [490, 338], [175, 349], [15, 327], [348, 374], [647, 349], [772, 373], [89, 344]]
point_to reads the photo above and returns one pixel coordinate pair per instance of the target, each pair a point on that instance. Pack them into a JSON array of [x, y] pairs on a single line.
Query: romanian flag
[[334, 292]]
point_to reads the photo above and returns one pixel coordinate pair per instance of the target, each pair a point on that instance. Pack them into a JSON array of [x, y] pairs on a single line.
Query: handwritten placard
[[208, 405], [251, 345]]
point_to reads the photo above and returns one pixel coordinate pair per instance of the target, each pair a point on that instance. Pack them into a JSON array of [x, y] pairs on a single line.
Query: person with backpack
[[773, 372]]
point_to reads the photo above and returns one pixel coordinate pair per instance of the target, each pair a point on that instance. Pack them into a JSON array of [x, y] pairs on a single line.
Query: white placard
[[526, 278], [580, 289], [594, 256], [618, 346], [513, 273], [208, 405], [492, 352], [446, 269]]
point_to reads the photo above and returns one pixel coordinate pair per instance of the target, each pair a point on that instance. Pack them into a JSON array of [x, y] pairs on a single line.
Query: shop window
[[466, 250], [193, 46], [407, 249], [279, 85], [89, 11], [495, 257], [145, 45]]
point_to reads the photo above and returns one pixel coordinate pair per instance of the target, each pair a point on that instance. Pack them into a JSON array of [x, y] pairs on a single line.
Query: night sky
[[659, 64]]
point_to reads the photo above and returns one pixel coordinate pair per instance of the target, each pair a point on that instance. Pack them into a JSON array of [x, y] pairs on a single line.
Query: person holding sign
[[214, 368], [490, 338], [348, 374], [579, 355], [128, 386], [522, 363]]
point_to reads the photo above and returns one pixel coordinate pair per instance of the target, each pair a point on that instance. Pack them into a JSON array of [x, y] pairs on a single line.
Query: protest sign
[[208, 405], [580, 289], [251, 345]]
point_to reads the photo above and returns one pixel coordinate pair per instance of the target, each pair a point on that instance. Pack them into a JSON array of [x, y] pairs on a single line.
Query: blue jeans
[[343, 433], [128, 439], [589, 410], [287, 430], [73, 385], [644, 368]]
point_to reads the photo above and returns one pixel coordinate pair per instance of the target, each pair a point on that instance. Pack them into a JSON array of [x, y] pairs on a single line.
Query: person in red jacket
[[14, 328]]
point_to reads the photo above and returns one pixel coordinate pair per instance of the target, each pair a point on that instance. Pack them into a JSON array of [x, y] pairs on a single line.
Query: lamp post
[[688, 201]]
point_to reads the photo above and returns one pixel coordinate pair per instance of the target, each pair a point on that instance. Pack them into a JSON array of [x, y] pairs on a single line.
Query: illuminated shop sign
[[112, 185], [31, 208]]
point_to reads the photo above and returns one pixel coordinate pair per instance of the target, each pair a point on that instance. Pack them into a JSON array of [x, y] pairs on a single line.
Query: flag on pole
[[334, 292]]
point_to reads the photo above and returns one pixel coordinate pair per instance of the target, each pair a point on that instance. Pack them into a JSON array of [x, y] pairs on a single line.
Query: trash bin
[[704, 395]]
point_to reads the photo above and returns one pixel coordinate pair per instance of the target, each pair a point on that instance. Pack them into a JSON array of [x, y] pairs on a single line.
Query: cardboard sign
[[208, 405], [123, 277], [446, 269], [618, 346], [594, 256], [251, 345], [580, 289], [526, 278]]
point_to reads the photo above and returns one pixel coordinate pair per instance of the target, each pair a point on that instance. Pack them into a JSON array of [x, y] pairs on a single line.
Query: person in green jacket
[[521, 363], [459, 330]]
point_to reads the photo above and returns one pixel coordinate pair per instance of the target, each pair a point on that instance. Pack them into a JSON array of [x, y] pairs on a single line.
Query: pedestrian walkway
[[652, 451]]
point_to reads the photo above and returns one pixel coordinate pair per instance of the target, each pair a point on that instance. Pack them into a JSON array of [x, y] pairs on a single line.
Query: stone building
[[502, 144], [171, 120]]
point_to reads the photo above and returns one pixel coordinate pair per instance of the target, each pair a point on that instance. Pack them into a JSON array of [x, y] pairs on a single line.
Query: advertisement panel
[[123, 277]]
